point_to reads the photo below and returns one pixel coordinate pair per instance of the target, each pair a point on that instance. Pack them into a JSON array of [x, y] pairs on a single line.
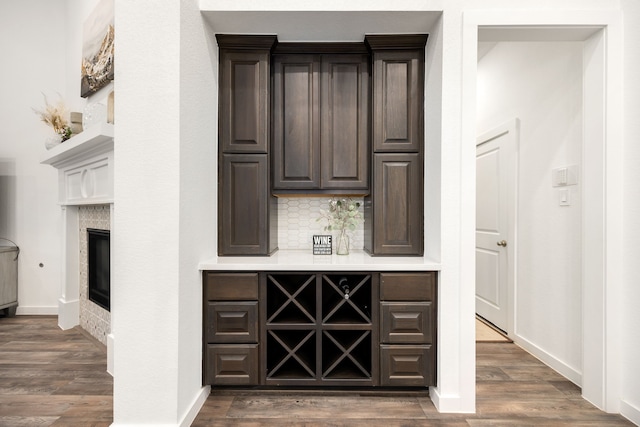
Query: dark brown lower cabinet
[[406, 365], [232, 364], [319, 329], [230, 330]]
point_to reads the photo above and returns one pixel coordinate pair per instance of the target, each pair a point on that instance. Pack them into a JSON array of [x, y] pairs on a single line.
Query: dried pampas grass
[[56, 117]]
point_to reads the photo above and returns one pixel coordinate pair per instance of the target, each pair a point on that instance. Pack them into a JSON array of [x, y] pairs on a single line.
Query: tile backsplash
[[297, 222]]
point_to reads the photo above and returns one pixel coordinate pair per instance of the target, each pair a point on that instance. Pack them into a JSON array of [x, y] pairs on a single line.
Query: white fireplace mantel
[[85, 166]]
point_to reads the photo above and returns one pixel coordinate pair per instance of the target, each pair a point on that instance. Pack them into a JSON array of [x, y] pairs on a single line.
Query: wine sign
[[322, 244]]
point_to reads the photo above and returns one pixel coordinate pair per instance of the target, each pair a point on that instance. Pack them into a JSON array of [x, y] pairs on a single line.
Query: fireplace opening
[[99, 267]]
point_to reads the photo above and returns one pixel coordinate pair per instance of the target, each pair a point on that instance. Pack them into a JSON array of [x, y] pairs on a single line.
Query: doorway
[[600, 93]]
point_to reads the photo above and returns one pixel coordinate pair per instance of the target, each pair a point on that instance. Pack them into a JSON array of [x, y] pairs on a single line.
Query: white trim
[[68, 313], [197, 404], [110, 347], [554, 363], [23, 310], [630, 412], [69, 302]]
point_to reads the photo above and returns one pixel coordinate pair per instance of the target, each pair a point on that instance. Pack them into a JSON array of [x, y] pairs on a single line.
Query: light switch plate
[[564, 197], [565, 175]]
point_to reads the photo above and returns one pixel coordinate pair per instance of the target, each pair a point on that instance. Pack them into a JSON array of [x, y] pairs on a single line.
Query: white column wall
[[165, 185], [630, 405], [198, 196], [146, 291]]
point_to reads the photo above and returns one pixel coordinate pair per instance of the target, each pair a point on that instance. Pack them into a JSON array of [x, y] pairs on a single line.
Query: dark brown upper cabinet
[[247, 212], [398, 92], [296, 122], [244, 93], [345, 122], [393, 210], [320, 123]]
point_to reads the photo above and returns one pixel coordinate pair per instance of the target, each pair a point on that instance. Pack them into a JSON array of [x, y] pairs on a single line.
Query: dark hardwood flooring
[[50, 377]]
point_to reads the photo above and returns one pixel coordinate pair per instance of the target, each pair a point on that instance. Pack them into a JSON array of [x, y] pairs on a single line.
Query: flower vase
[[343, 243], [52, 141]]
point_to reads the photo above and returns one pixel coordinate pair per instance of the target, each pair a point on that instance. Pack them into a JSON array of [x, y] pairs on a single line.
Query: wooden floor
[[53, 377], [50, 377]]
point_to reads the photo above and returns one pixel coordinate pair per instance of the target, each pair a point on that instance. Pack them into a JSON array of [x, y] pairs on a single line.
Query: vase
[[343, 243], [52, 141]]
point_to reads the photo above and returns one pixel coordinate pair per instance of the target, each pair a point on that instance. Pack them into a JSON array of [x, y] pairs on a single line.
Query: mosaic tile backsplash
[[93, 318], [297, 222]]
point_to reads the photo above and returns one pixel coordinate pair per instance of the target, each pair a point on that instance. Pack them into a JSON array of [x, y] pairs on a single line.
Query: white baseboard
[[68, 313], [36, 310], [110, 350], [192, 413], [450, 404], [630, 412], [553, 362]]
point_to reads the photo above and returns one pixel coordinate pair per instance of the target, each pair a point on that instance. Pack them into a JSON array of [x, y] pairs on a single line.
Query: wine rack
[[320, 329]]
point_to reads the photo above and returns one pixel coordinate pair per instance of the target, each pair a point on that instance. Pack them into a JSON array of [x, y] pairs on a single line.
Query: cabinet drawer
[[406, 323], [231, 286], [408, 286], [232, 364], [232, 322], [407, 365]]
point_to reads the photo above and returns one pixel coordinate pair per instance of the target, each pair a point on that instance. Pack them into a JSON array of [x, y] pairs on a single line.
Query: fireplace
[[99, 271]]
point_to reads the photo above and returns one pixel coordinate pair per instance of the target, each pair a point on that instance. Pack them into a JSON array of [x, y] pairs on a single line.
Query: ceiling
[[536, 33], [349, 26]]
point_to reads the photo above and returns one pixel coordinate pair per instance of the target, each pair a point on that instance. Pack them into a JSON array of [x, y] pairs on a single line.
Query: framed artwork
[[97, 49]]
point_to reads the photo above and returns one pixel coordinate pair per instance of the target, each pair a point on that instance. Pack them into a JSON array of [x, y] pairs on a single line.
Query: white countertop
[[304, 260]]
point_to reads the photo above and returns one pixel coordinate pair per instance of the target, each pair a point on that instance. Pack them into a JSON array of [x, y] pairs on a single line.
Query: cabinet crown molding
[[395, 41], [320, 48], [247, 41]]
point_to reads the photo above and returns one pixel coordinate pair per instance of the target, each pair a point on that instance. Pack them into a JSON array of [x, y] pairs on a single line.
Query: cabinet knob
[[502, 243]]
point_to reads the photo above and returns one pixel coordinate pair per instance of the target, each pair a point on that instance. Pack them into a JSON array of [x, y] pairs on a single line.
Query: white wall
[[541, 84], [165, 180], [630, 406], [33, 46]]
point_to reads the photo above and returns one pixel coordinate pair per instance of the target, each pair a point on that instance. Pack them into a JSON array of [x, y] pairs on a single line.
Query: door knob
[[502, 243]]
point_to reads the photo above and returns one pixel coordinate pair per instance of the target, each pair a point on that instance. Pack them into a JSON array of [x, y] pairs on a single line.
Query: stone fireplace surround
[[85, 193]]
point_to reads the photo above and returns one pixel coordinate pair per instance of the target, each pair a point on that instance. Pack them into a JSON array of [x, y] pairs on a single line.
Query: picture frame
[[98, 42]]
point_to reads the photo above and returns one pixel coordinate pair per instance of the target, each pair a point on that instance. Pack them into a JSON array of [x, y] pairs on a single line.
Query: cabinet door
[[244, 101], [404, 322], [345, 121], [398, 99], [232, 364], [397, 205], [232, 322], [245, 207], [296, 122], [407, 365]]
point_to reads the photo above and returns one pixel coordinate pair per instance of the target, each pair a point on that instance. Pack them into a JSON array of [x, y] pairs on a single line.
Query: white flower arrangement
[[342, 215]]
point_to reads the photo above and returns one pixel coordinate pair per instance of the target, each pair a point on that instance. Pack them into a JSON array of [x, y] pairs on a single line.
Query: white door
[[495, 212]]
